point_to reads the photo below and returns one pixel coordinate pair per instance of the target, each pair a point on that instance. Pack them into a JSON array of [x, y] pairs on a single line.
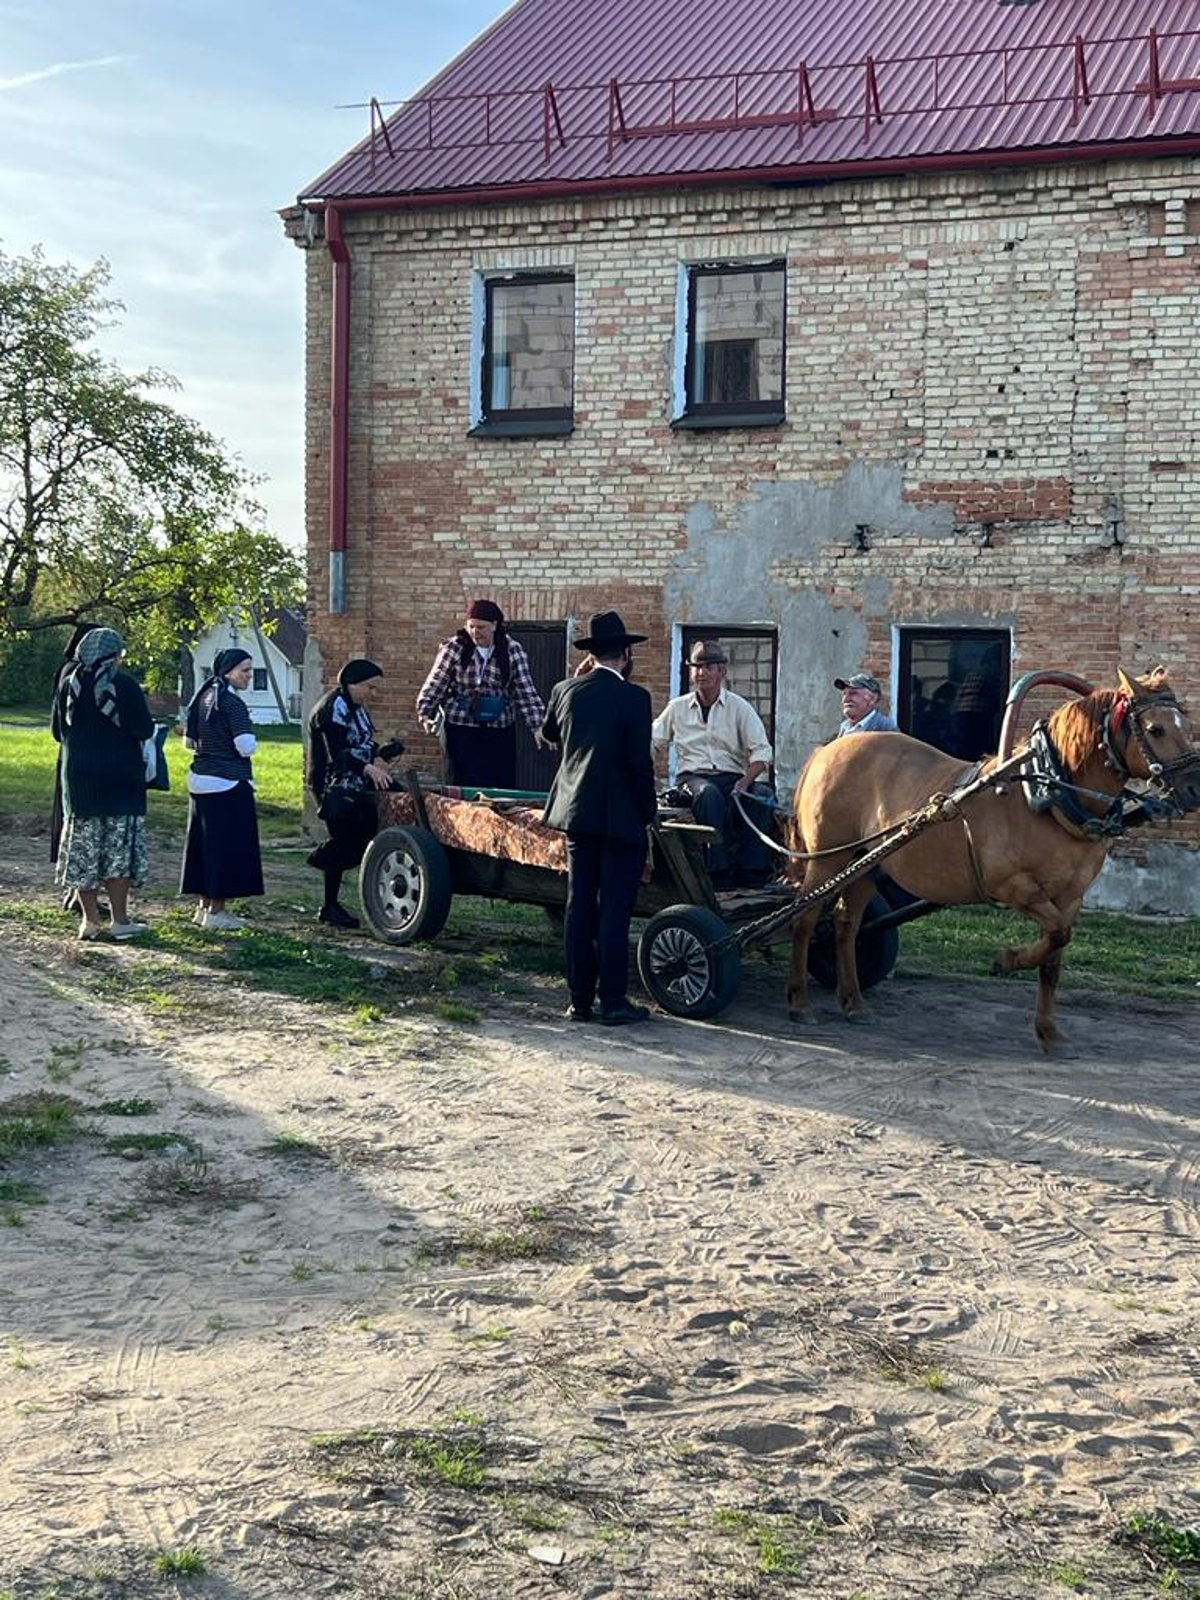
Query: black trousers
[[602, 884], [482, 758], [348, 838], [737, 848]]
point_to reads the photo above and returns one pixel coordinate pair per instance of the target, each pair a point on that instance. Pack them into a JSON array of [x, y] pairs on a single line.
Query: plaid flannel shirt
[[449, 682]]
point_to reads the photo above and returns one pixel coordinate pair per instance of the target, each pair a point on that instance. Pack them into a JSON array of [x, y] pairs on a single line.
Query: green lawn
[[28, 755]]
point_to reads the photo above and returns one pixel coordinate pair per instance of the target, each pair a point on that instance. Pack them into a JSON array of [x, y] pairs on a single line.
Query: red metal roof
[[563, 96]]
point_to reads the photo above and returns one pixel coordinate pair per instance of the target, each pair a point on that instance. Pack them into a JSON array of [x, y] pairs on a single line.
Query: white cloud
[[56, 69]]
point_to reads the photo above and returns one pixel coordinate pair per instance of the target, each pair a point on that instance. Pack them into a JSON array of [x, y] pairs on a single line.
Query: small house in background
[[277, 651]]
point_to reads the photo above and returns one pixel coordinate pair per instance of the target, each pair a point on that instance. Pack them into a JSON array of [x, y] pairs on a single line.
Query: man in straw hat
[[603, 799], [721, 748]]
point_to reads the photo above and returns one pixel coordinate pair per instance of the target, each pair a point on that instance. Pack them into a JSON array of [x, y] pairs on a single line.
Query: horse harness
[[1048, 787]]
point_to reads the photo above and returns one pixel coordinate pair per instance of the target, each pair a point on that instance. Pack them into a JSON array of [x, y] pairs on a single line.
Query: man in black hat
[[861, 706], [721, 747], [603, 799]]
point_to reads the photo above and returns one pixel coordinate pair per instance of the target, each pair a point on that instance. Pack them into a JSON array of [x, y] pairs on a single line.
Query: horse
[[1033, 841]]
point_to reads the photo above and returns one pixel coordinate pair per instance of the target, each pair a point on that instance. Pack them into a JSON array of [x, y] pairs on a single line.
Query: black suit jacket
[[605, 780]]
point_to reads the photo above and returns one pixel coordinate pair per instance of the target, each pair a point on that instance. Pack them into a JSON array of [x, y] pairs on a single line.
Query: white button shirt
[[731, 738]]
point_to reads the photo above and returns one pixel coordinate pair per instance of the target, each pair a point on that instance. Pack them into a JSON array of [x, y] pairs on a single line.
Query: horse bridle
[[1178, 779]]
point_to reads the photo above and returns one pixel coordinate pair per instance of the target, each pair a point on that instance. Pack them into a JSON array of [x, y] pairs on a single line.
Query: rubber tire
[[713, 971], [876, 953], [405, 886]]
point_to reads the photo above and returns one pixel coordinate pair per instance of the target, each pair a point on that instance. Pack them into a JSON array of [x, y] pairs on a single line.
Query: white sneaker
[[128, 930], [200, 916], [224, 919]]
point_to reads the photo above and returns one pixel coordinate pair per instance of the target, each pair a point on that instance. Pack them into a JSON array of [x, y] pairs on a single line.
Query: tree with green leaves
[[113, 505]]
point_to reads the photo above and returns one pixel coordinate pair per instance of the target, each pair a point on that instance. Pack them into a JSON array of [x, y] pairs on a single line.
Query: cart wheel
[[875, 952], [404, 882], [688, 962]]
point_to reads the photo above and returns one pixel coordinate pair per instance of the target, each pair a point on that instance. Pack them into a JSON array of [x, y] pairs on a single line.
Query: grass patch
[[1116, 954], [1162, 1544], [186, 1562], [146, 1144], [190, 1181], [13, 1191], [126, 1108], [293, 1148], [38, 1121], [455, 1456], [536, 1233], [780, 1544]]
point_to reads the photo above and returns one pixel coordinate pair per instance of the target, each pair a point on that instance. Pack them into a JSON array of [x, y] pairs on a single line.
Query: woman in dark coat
[[221, 859], [100, 718], [344, 756], [82, 629]]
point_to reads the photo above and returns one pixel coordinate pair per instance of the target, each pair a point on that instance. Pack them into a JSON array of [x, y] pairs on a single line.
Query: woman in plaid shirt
[[476, 687]]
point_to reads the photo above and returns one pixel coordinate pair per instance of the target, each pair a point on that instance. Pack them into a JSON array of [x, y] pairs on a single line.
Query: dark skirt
[[482, 758], [221, 859]]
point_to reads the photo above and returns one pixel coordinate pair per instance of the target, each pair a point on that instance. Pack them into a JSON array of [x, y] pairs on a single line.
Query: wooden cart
[[434, 844]]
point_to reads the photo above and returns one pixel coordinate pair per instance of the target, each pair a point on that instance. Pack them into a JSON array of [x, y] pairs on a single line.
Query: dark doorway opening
[[545, 643]]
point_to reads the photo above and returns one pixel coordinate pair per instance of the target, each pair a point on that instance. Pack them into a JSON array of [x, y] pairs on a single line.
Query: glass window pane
[[532, 344], [737, 337]]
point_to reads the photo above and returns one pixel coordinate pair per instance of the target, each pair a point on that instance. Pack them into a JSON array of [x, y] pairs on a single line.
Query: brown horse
[[1034, 842]]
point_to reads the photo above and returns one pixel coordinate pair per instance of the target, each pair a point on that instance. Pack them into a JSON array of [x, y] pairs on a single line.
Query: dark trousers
[[482, 758], [737, 848], [602, 884]]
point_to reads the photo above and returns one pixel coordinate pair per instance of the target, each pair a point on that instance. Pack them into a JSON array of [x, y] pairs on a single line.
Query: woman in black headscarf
[[221, 858], [345, 765], [101, 717]]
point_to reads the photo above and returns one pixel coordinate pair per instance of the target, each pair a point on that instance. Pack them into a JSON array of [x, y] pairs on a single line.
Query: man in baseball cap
[[861, 713]]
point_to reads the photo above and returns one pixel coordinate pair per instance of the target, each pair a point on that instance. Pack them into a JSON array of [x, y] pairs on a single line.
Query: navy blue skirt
[[221, 859]]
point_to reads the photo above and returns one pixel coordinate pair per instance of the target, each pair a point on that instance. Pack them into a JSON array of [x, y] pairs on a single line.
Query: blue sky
[[164, 135]]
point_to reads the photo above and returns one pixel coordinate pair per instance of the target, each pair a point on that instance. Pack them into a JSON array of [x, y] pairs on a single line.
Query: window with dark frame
[[260, 679], [734, 371], [529, 349], [953, 683]]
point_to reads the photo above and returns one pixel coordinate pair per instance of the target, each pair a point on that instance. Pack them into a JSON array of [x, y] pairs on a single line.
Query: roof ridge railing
[[676, 105]]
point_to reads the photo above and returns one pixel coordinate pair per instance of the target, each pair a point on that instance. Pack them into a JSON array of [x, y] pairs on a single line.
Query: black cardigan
[[103, 771]]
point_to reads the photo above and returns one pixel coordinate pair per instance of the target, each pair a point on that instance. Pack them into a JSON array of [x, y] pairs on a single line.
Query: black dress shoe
[[617, 1016], [575, 1013], [337, 917]]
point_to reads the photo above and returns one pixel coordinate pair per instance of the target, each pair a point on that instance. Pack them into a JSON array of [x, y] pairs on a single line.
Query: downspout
[[339, 410]]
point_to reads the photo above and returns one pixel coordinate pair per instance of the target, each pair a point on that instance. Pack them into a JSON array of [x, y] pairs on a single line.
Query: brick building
[[857, 352]]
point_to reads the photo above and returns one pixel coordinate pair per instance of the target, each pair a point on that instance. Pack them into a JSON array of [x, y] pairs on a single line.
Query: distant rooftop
[[576, 96]]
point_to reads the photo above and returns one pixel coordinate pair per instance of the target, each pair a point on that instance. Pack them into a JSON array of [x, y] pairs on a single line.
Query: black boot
[[337, 916]]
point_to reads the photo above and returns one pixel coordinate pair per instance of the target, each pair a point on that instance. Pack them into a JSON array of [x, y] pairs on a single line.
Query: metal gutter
[[339, 408]]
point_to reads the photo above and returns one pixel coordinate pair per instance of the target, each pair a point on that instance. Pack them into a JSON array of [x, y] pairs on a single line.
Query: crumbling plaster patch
[[757, 564]]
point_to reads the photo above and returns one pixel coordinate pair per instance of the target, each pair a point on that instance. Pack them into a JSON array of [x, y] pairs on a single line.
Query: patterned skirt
[[94, 849]]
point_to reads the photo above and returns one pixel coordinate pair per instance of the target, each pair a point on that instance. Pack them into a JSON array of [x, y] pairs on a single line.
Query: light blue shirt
[[874, 722]]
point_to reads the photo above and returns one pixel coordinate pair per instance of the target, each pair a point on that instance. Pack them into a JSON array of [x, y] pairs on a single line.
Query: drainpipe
[[339, 410]]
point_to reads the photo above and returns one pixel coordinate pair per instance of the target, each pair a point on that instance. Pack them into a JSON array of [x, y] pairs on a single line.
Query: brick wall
[[995, 375]]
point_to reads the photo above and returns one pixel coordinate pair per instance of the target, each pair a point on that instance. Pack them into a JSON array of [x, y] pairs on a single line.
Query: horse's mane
[[1077, 727]]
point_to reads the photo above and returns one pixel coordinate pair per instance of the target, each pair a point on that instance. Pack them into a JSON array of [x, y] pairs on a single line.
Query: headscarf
[[486, 611], [360, 670], [96, 653], [224, 664]]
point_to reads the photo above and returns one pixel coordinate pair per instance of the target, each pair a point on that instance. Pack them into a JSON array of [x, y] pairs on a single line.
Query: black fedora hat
[[606, 635]]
